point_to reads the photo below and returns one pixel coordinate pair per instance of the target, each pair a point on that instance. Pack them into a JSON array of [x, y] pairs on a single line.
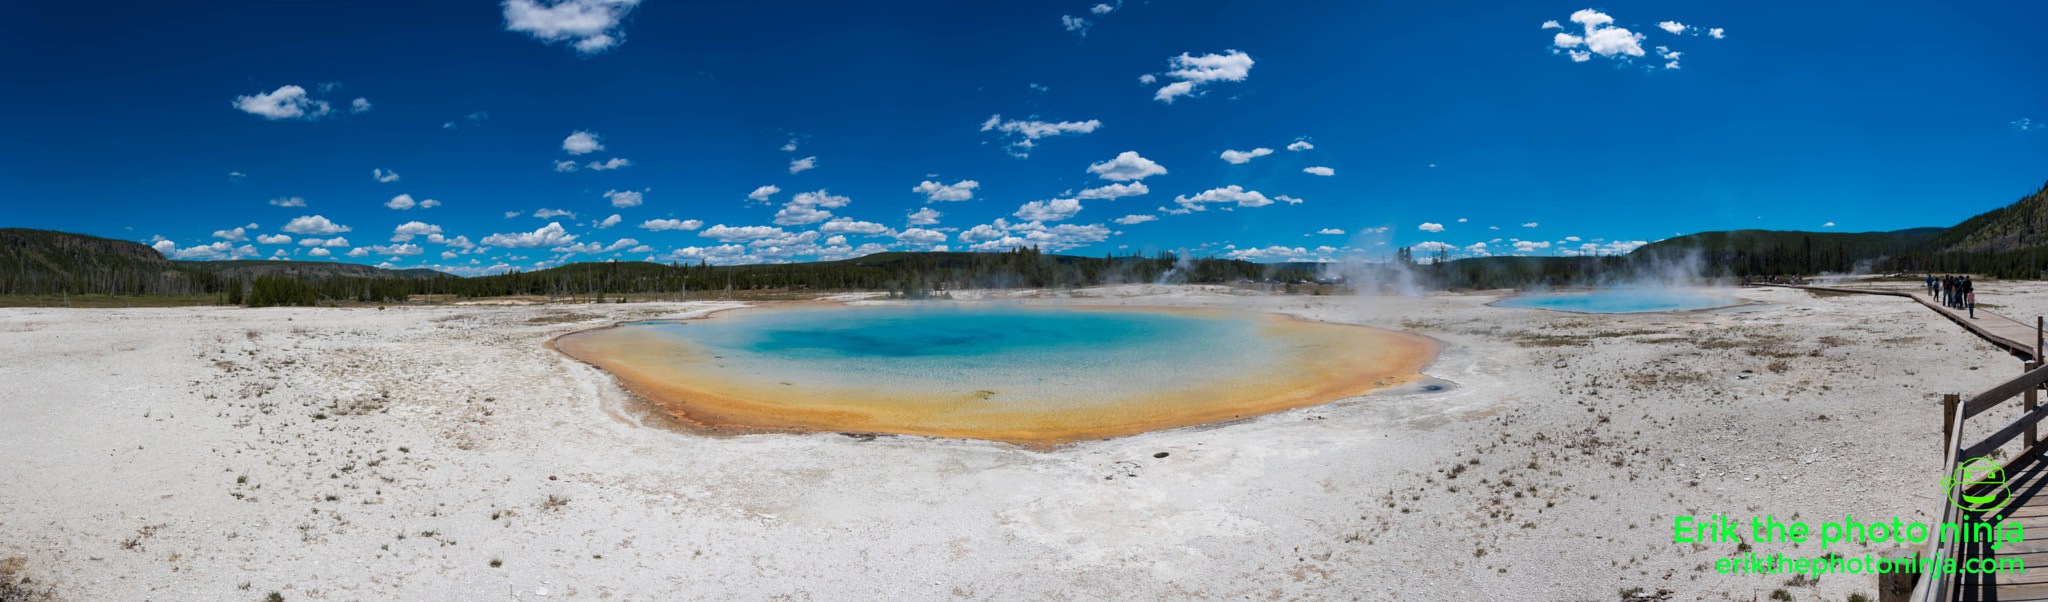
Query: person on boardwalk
[[1970, 297], [1930, 284]]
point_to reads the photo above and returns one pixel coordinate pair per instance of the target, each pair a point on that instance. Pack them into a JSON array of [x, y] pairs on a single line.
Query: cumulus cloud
[[384, 175], [1134, 219], [614, 163], [1238, 157], [957, 191], [1600, 37], [1126, 166], [404, 201], [1023, 134], [213, 252], [319, 252], [1104, 9], [1232, 194], [566, 166], [551, 235], [924, 217], [1321, 171], [1114, 191], [405, 232], [847, 225], [593, 248], [590, 26], [1717, 32], [1529, 225], [287, 102], [274, 239], [1672, 26], [1196, 71], [2025, 124], [237, 234], [404, 250], [658, 225], [761, 194], [1075, 25], [1002, 235], [1430, 227], [723, 233], [610, 221], [360, 105], [1301, 145], [314, 225], [1330, 231], [545, 213], [330, 242], [1049, 211], [801, 165], [921, 236], [1828, 225], [809, 208], [1530, 246], [623, 198], [581, 142], [1552, 25], [1273, 253]]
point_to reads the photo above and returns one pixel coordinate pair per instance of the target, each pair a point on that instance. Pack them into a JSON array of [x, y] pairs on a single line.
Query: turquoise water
[[1012, 351], [1623, 300]]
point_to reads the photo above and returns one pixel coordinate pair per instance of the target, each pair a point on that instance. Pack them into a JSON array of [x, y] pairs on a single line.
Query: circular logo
[[1983, 483]]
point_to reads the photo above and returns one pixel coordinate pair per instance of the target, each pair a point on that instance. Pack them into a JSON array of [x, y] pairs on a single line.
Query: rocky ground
[[446, 453]]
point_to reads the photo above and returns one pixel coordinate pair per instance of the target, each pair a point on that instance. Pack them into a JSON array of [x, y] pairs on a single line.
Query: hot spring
[[1022, 374], [1623, 300]]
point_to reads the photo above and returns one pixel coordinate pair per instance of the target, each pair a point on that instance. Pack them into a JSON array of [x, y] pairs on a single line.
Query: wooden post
[[1949, 401], [2033, 400], [1897, 586]]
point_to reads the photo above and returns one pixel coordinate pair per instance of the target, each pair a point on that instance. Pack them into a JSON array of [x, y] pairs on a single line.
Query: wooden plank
[[2004, 391], [2004, 434]]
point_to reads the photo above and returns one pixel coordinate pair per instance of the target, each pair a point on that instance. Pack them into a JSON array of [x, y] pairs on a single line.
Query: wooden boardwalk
[[2013, 335], [2026, 474]]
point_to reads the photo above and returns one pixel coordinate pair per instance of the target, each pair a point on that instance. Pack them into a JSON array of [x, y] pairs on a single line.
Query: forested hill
[[1856, 244], [48, 262], [251, 268], [2019, 226]]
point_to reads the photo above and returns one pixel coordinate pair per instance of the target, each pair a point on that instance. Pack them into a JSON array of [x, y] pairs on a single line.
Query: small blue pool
[[1624, 300]]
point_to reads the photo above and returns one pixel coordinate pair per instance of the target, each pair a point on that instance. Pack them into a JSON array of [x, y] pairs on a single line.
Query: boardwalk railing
[[1939, 587]]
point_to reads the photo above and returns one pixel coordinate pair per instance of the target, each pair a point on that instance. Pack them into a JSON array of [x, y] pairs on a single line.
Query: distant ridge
[[34, 261], [251, 268], [2019, 226], [1854, 244]]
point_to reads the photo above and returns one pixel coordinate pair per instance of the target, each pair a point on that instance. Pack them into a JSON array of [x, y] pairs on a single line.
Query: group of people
[[1956, 292]]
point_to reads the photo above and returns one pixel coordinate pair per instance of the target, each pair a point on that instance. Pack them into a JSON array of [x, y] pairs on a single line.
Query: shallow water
[[1014, 373], [1624, 300]]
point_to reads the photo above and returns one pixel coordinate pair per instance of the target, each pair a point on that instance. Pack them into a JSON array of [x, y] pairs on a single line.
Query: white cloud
[[623, 198], [1552, 25], [2025, 124], [401, 202], [291, 201], [1238, 157], [1529, 225], [1462, 220], [1530, 246], [658, 225], [957, 191], [1321, 171], [985, 232], [448, 255], [1430, 227], [594, 249], [1076, 25], [761, 194], [511, 214], [591, 26], [1600, 38], [924, 217], [1000, 235], [1273, 253], [237, 234], [545, 213], [314, 225], [1301, 145], [1828, 225], [796, 215], [213, 252], [331, 242], [1672, 26], [319, 252], [741, 234], [1050, 211], [237, 177], [1330, 231], [551, 235], [614, 163], [287, 102], [1022, 133], [1134, 219], [1572, 238], [383, 175], [1104, 9], [1716, 32], [1126, 166], [404, 250], [847, 225], [581, 142], [566, 166], [1228, 194], [274, 239], [610, 221], [360, 105], [791, 147], [1193, 71], [405, 232], [801, 165], [920, 236], [1114, 191]]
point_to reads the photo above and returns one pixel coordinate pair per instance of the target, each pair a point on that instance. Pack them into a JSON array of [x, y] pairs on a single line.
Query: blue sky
[[1080, 127]]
